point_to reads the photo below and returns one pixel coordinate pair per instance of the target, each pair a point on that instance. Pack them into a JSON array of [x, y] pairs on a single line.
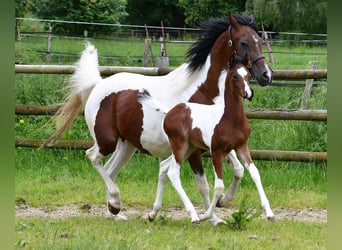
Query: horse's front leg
[[195, 161], [238, 171], [219, 185], [245, 155], [163, 169], [174, 176]]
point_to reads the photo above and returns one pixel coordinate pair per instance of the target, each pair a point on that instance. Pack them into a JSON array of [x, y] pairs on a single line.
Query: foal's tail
[[85, 77]]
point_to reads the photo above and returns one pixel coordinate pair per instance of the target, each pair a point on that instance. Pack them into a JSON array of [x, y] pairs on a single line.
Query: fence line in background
[[155, 71], [267, 155], [276, 114], [143, 27], [273, 114]]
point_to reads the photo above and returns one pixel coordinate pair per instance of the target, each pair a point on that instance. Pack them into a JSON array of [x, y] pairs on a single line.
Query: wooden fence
[[276, 114]]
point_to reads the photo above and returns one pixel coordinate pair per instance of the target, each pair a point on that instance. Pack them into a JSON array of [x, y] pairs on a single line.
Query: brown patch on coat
[[119, 115]]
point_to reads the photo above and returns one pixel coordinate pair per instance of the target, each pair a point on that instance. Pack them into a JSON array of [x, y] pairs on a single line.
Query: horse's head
[[246, 47], [239, 78]]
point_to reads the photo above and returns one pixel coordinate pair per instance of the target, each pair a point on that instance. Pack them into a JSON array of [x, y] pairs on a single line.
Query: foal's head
[[238, 78]]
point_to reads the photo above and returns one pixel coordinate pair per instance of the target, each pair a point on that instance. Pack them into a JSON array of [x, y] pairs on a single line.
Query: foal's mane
[[212, 29]]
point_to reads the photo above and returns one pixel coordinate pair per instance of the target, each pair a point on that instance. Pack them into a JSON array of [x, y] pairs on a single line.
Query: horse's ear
[[252, 16], [233, 20]]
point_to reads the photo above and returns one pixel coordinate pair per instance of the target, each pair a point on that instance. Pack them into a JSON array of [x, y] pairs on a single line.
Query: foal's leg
[[174, 176], [163, 169], [195, 161], [238, 174], [219, 185], [245, 155], [95, 158]]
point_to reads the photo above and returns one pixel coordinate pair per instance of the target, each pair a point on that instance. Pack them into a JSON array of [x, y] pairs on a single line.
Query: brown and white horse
[[218, 128], [119, 124]]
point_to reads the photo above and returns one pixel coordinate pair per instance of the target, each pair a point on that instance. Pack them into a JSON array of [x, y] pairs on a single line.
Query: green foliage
[[243, 216], [290, 15], [154, 11], [196, 11], [100, 11]]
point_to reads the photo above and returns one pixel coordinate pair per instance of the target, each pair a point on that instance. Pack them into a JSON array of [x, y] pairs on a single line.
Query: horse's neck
[[217, 61], [233, 106]]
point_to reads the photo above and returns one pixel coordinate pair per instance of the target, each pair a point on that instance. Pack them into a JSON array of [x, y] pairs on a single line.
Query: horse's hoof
[[150, 218], [216, 221], [271, 218], [113, 210], [219, 204], [196, 222], [119, 217]]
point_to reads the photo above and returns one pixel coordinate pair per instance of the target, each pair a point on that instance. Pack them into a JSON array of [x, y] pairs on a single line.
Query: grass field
[[52, 177]]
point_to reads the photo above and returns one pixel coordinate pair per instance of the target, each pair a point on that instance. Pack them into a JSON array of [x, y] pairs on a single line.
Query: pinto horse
[[218, 128], [119, 124]]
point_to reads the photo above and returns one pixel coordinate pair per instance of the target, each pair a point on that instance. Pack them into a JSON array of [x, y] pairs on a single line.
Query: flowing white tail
[[85, 77]]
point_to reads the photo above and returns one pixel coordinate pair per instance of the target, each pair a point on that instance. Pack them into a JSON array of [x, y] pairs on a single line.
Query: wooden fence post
[[307, 90], [268, 46], [48, 46], [147, 51]]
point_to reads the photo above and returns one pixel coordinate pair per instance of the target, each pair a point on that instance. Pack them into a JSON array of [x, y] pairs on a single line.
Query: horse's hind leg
[[95, 158], [254, 172], [122, 154], [238, 174]]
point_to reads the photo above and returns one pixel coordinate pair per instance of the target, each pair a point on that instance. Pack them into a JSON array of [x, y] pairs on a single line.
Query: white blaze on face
[[269, 71], [243, 73], [256, 40]]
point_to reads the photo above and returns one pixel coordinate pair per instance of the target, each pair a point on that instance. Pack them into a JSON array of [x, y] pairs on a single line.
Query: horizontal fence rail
[[155, 71], [274, 114], [269, 155]]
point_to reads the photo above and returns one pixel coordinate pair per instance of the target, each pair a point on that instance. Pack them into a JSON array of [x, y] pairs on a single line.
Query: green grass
[[68, 177], [164, 233]]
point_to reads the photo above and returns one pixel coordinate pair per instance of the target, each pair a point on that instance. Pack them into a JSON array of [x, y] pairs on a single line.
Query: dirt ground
[[71, 210]]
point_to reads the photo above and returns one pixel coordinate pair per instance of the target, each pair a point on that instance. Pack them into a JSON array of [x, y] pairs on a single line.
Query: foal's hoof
[[113, 210], [221, 202], [196, 222], [216, 221]]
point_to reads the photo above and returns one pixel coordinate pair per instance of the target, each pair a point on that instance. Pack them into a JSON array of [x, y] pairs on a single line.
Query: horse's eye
[[234, 77], [244, 45]]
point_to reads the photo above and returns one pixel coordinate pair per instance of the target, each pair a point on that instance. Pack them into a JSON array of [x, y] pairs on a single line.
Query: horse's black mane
[[212, 29]]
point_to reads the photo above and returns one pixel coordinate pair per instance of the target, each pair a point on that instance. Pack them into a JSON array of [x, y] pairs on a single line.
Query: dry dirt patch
[[72, 210]]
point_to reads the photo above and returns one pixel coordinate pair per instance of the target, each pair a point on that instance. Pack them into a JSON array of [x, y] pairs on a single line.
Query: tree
[[196, 11], [151, 12], [290, 15], [100, 11]]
